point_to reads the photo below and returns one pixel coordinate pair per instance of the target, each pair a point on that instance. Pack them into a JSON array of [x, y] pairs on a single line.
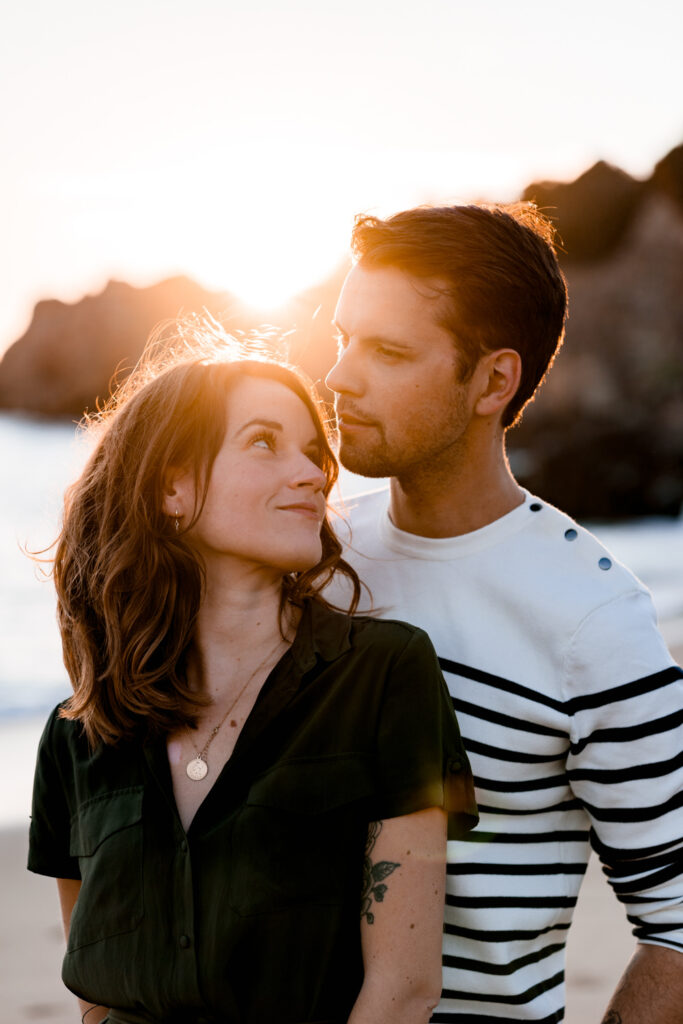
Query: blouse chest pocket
[[300, 836], [106, 836]]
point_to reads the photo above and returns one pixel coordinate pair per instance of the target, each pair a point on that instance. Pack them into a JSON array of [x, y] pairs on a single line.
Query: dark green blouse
[[253, 915]]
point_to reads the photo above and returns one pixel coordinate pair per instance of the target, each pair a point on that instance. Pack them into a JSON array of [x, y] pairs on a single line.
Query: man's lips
[[350, 420]]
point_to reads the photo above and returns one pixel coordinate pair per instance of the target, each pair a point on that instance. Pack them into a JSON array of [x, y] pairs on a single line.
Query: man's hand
[[651, 989]]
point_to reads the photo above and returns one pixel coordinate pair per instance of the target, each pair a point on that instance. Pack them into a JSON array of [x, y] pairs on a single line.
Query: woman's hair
[[129, 585]]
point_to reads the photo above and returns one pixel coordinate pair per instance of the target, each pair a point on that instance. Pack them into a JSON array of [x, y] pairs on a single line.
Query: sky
[[234, 140]]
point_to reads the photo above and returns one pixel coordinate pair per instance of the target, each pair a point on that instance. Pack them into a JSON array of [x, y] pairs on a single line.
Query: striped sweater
[[572, 713]]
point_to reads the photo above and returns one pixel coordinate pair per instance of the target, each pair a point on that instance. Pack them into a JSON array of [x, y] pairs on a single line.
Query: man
[[569, 702]]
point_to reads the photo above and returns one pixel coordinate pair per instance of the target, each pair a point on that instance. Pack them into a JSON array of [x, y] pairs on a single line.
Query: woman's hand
[[404, 879], [69, 889]]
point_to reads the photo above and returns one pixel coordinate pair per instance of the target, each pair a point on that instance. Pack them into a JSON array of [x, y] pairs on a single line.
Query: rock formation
[[592, 213], [604, 437], [71, 353]]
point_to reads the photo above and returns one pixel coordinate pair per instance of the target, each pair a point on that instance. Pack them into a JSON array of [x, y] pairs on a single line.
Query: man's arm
[[401, 909], [651, 989], [626, 767]]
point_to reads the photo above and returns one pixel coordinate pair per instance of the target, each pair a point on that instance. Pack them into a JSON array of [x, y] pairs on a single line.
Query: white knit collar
[[441, 548]]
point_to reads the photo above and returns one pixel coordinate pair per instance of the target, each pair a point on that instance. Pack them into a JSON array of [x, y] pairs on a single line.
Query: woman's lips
[[306, 509]]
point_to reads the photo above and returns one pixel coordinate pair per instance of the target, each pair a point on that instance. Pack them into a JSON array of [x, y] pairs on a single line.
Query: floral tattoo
[[374, 875]]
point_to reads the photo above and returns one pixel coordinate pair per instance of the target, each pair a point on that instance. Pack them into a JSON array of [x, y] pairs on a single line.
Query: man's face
[[400, 405]]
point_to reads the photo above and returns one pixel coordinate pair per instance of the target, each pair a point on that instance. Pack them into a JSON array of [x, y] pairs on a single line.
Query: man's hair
[[497, 270], [129, 585]]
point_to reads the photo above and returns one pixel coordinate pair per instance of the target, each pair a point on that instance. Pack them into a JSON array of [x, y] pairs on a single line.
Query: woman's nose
[[308, 474]]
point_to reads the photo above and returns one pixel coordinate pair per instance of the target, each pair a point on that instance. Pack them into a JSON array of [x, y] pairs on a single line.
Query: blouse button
[[184, 941], [605, 563], [535, 507], [570, 534]]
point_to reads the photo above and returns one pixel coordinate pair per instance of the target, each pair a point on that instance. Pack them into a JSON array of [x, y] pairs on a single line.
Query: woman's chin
[[304, 560]]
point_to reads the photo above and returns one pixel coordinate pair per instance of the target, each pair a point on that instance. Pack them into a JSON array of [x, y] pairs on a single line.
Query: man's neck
[[456, 499]]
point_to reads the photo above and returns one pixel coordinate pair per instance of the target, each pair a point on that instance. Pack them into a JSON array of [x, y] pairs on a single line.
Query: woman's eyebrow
[[258, 421]]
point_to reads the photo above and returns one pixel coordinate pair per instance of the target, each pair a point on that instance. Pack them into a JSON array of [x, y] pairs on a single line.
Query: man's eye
[[388, 353]]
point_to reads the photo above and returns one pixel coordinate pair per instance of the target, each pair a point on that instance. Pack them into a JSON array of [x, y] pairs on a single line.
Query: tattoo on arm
[[612, 1017], [373, 887]]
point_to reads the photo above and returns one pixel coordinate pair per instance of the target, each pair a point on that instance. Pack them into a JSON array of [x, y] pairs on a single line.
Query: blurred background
[[165, 158]]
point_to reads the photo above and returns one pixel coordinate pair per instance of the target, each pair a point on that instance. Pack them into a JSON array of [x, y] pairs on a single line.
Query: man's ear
[[500, 373]]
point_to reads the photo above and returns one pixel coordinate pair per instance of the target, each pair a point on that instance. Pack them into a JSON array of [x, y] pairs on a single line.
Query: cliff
[[71, 353], [604, 437]]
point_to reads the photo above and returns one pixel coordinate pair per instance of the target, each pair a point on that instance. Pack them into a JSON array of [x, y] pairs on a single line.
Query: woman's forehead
[[266, 398]]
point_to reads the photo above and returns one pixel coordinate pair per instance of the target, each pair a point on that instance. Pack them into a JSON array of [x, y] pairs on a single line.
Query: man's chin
[[363, 463]]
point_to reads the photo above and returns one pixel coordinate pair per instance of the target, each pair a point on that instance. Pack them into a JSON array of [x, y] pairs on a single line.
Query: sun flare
[[264, 238]]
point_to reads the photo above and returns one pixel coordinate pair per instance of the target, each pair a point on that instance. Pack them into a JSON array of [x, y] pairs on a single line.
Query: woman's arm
[[404, 880], [68, 889]]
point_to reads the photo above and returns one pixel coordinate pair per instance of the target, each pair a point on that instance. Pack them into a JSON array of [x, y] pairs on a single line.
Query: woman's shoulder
[[61, 733], [371, 632], [389, 631]]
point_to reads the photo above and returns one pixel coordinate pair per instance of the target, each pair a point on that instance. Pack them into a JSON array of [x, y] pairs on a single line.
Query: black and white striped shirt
[[572, 713]]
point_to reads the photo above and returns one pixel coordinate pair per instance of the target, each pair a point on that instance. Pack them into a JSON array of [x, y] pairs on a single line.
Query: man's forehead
[[388, 294]]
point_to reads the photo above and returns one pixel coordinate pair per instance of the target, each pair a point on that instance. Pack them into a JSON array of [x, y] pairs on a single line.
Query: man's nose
[[344, 377]]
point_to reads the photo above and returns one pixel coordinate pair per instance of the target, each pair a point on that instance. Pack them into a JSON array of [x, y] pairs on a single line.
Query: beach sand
[[32, 945]]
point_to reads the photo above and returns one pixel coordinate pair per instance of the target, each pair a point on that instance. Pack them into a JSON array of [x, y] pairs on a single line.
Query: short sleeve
[[421, 759], [49, 833]]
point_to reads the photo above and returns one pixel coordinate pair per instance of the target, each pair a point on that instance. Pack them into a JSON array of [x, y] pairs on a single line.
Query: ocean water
[[39, 459]]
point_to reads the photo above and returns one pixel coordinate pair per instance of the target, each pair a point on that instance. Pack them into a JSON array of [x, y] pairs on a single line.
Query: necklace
[[198, 767]]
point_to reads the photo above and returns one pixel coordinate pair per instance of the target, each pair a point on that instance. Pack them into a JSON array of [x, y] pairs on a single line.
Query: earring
[[177, 521]]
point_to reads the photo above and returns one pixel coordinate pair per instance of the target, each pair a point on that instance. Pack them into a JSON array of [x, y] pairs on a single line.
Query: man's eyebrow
[[375, 339], [258, 421]]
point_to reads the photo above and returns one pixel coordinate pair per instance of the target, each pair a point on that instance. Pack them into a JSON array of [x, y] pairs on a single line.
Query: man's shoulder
[[566, 547], [367, 503], [360, 513]]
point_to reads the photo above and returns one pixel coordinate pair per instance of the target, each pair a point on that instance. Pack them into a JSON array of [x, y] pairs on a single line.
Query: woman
[[242, 772]]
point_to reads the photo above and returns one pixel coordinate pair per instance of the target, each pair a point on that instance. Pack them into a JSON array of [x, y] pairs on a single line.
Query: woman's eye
[[266, 441]]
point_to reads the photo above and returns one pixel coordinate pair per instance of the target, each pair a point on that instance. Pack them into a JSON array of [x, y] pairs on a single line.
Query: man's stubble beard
[[370, 460], [412, 456]]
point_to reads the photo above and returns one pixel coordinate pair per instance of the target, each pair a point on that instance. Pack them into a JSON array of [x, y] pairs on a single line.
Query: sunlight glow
[[259, 233]]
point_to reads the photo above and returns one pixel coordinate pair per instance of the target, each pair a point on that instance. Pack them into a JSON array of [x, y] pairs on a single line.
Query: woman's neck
[[239, 622]]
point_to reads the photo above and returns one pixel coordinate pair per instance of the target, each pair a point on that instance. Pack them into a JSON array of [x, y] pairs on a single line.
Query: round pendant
[[197, 769]]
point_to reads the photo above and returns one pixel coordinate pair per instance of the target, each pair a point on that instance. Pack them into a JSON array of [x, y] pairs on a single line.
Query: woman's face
[[265, 503]]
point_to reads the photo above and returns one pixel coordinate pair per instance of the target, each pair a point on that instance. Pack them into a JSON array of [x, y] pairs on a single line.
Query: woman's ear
[[178, 493], [501, 373]]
